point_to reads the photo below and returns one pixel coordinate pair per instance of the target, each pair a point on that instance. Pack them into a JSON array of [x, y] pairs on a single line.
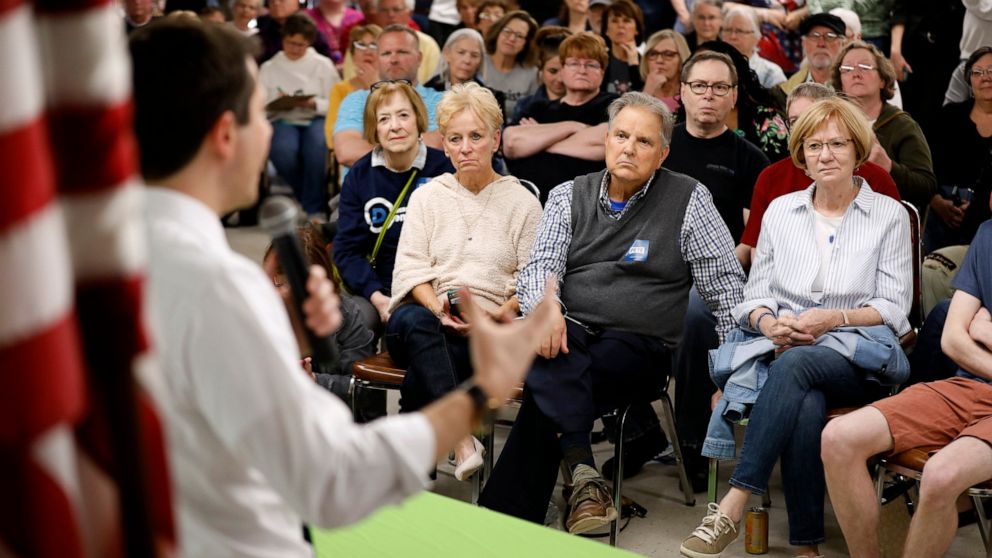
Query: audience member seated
[[245, 12], [574, 15], [472, 229], [955, 413], [823, 37], [269, 28], [365, 52], [487, 14], [975, 33], [705, 148], [865, 75], [461, 60], [211, 14], [353, 340], [398, 60], [301, 78], [623, 28], [804, 294], [385, 13], [784, 177], [546, 42], [508, 63], [853, 25], [375, 194], [661, 66], [742, 30], [707, 19], [553, 141], [962, 159], [138, 13], [727, 165], [758, 114], [625, 243], [332, 18]]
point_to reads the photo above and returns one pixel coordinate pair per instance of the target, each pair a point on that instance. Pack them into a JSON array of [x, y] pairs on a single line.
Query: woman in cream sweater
[[473, 230]]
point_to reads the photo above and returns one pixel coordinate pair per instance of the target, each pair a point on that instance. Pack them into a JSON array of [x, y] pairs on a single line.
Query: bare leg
[[733, 503], [964, 463], [847, 442]]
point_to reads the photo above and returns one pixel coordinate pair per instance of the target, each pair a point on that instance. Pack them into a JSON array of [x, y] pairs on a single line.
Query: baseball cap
[[829, 21]]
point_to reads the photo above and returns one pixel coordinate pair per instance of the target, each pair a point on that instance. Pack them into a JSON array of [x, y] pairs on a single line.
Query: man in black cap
[[823, 36]]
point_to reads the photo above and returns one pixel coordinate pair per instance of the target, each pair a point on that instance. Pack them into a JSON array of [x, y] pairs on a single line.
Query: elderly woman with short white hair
[[743, 31], [472, 229]]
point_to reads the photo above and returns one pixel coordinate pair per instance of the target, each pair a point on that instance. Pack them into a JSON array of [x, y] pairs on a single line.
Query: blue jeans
[[299, 154], [787, 420], [436, 361]]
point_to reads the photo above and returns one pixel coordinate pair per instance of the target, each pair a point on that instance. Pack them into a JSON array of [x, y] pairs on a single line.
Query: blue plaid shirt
[[704, 241]]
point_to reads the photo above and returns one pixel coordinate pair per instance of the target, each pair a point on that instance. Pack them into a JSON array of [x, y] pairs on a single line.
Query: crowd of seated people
[[734, 185]]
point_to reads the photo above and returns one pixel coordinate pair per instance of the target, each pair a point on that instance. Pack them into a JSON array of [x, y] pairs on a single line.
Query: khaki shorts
[[937, 413]]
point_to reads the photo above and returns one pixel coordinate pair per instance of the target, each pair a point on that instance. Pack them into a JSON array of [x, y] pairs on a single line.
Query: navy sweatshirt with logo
[[367, 197]]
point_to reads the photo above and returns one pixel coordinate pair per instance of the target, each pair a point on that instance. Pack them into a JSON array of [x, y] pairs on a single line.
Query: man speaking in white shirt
[[255, 447]]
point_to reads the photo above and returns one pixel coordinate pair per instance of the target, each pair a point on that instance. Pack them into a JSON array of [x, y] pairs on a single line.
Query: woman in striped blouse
[[832, 261]]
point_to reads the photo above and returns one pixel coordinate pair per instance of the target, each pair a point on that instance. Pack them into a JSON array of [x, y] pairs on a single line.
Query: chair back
[[916, 311], [530, 186]]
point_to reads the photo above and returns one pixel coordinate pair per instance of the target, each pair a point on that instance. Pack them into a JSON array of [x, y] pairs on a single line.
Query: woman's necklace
[[471, 229]]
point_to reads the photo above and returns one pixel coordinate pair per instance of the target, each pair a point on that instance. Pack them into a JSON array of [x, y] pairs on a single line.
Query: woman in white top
[[473, 230], [508, 65], [834, 255], [298, 80]]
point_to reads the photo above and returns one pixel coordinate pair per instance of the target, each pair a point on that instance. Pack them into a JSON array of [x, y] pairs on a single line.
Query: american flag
[[82, 465]]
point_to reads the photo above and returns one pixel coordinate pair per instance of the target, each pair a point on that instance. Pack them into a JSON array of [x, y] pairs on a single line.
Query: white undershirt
[[825, 231]]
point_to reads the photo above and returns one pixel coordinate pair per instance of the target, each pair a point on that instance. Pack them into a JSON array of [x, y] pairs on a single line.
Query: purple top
[[332, 33]]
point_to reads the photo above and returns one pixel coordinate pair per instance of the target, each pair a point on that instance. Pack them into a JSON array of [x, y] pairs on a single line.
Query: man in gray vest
[[625, 244]]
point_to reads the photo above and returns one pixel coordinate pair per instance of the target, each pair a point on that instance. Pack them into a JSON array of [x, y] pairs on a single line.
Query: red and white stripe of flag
[[82, 467]]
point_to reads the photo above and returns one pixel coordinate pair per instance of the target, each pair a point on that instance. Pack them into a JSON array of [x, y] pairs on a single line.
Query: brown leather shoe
[[591, 505]]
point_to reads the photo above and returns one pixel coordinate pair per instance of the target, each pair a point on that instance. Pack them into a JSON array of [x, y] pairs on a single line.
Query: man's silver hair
[[652, 105], [410, 4]]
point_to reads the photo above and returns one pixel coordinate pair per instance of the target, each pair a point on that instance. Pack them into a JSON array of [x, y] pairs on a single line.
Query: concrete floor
[[656, 488]]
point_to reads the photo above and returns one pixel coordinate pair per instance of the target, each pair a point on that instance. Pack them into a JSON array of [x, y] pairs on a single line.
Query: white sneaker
[[471, 464]]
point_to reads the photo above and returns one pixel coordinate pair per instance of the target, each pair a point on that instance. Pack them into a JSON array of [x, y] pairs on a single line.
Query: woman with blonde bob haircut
[[472, 229], [375, 194], [824, 308]]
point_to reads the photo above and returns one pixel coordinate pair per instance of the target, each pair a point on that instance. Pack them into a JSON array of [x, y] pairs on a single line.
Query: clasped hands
[[790, 330]]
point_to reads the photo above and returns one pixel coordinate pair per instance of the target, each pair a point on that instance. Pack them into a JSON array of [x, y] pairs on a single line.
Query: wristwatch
[[481, 401]]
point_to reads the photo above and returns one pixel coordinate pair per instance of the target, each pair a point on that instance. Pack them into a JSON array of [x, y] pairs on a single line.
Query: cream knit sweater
[[434, 246]]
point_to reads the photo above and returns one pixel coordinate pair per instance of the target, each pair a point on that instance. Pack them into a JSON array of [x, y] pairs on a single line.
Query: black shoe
[[637, 452]]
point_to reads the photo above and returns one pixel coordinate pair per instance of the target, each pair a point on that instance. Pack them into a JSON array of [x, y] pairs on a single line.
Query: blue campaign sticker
[[638, 251]]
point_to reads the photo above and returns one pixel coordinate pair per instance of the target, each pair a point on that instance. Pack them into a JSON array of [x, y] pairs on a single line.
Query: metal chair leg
[[983, 524], [712, 480], [618, 474], [669, 411]]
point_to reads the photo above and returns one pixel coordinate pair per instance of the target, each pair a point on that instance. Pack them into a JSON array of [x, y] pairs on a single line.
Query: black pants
[[566, 394]]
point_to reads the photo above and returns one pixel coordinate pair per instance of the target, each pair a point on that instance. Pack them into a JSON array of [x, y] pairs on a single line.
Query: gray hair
[[714, 3], [809, 90], [748, 13], [410, 4], [636, 99], [463, 33]]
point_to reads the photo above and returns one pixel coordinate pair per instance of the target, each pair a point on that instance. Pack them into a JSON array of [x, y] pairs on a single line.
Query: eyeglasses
[[513, 34], [860, 68], [588, 66], [979, 73], [719, 89], [295, 44], [486, 16], [394, 10], [732, 31], [379, 84], [816, 36], [654, 55], [835, 145], [365, 46]]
